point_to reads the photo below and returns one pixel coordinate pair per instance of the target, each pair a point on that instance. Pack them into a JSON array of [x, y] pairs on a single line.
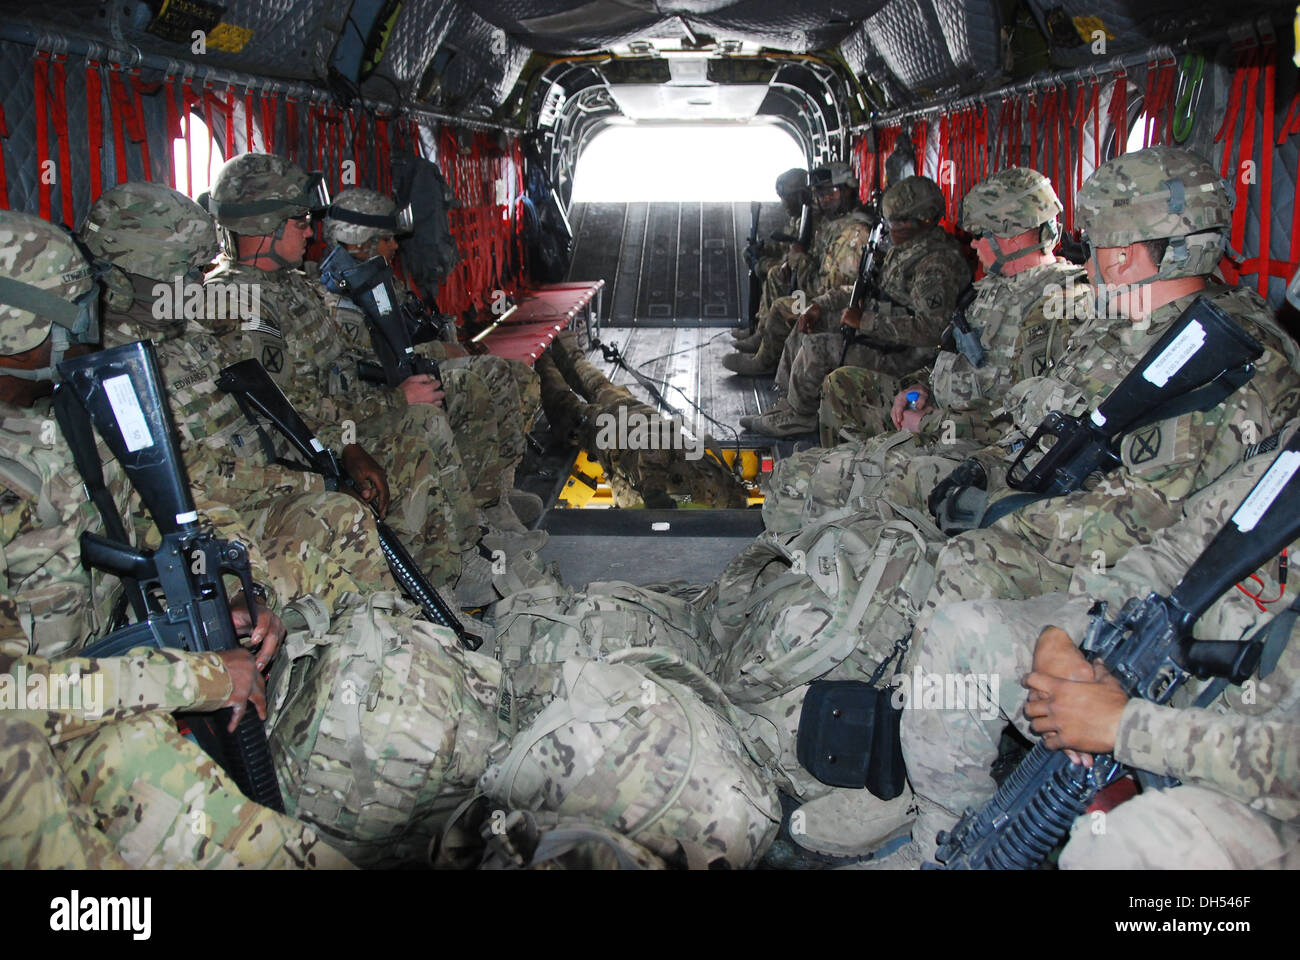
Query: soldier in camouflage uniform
[[264, 205], [76, 771], [489, 436], [1239, 802], [1014, 219], [837, 248], [638, 477], [313, 541], [783, 264], [920, 279]]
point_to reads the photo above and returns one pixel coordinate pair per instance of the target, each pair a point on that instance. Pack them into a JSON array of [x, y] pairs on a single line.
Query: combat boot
[[474, 586], [757, 365], [740, 333], [783, 420], [526, 507], [851, 823], [906, 857], [749, 344], [508, 541]]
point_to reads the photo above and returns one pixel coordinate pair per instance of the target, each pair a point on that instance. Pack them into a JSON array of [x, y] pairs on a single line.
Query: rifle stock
[[119, 392]]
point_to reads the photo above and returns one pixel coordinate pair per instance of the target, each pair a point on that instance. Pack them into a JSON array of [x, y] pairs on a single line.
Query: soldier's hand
[[371, 485], [810, 316], [422, 388], [851, 317], [905, 419], [266, 633], [246, 683], [1056, 656], [797, 248], [454, 350], [1079, 716]]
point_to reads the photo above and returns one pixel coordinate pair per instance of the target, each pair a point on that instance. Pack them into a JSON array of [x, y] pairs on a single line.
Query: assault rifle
[[867, 286], [966, 337], [804, 236], [751, 258], [257, 393], [1150, 650], [119, 392], [369, 285], [1196, 364]]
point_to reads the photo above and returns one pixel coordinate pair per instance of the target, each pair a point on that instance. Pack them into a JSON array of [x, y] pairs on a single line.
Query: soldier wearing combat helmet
[[123, 743], [780, 255], [836, 249], [920, 278], [1013, 218]]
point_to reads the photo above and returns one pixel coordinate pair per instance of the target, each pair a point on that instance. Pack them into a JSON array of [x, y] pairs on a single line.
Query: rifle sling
[[245, 406], [85, 457], [1275, 635]]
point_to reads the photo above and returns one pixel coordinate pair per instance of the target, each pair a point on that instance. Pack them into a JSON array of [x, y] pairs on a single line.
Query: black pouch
[[849, 737]]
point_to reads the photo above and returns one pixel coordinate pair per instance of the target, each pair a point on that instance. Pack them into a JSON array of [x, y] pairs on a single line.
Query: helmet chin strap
[[59, 343], [271, 252], [1000, 258]]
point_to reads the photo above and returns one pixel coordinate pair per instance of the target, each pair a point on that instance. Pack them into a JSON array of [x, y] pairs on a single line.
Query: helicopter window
[[195, 161]]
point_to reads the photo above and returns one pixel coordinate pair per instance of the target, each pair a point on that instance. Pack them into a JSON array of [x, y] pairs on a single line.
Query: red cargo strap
[[230, 121], [1262, 263], [1119, 114], [95, 128], [291, 128], [4, 186], [174, 129], [268, 123], [40, 75], [1095, 108], [248, 120], [136, 126], [59, 105]]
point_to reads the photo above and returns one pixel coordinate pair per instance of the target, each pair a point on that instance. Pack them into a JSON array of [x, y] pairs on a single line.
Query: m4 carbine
[[120, 392], [865, 287], [253, 387], [1150, 650], [751, 259], [966, 337], [369, 285], [1199, 361]]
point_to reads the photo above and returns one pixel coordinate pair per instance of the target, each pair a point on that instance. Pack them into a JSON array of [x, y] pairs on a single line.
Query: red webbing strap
[[136, 127], [1246, 153], [920, 137], [248, 120], [116, 95], [291, 128], [1095, 109], [230, 120], [95, 128], [383, 161], [4, 184], [1227, 130], [40, 74], [268, 123], [1119, 112], [174, 130], [1033, 130], [1262, 263], [1017, 130], [59, 106]]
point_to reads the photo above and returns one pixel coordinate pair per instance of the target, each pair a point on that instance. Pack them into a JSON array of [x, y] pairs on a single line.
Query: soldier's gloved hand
[[370, 484], [969, 473], [266, 633], [422, 388], [810, 316], [246, 683], [905, 419], [851, 317]]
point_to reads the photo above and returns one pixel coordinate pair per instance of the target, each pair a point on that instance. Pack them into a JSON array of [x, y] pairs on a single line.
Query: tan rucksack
[[634, 744], [834, 601], [379, 732], [548, 624]]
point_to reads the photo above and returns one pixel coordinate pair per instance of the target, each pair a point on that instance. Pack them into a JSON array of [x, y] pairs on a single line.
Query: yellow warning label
[[1088, 27], [229, 38]]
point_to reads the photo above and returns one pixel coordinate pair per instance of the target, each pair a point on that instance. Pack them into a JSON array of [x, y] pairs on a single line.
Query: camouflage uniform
[[313, 541], [74, 783], [637, 477], [920, 281], [1237, 807], [1008, 314], [433, 508]]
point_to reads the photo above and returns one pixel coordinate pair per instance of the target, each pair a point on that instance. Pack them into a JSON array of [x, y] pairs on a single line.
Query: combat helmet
[[1154, 194], [1009, 203], [48, 288], [792, 181], [358, 215], [837, 173], [150, 230], [255, 193], [913, 198]]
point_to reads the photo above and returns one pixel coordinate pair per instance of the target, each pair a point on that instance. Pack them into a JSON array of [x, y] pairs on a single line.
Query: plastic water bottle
[[913, 399]]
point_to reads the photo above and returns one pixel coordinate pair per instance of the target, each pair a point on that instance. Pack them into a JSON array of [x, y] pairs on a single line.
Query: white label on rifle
[[316, 445], [126, 408], [1266, 491], [1173, 357], [382, 303], [189, 517], [1099, 418]]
